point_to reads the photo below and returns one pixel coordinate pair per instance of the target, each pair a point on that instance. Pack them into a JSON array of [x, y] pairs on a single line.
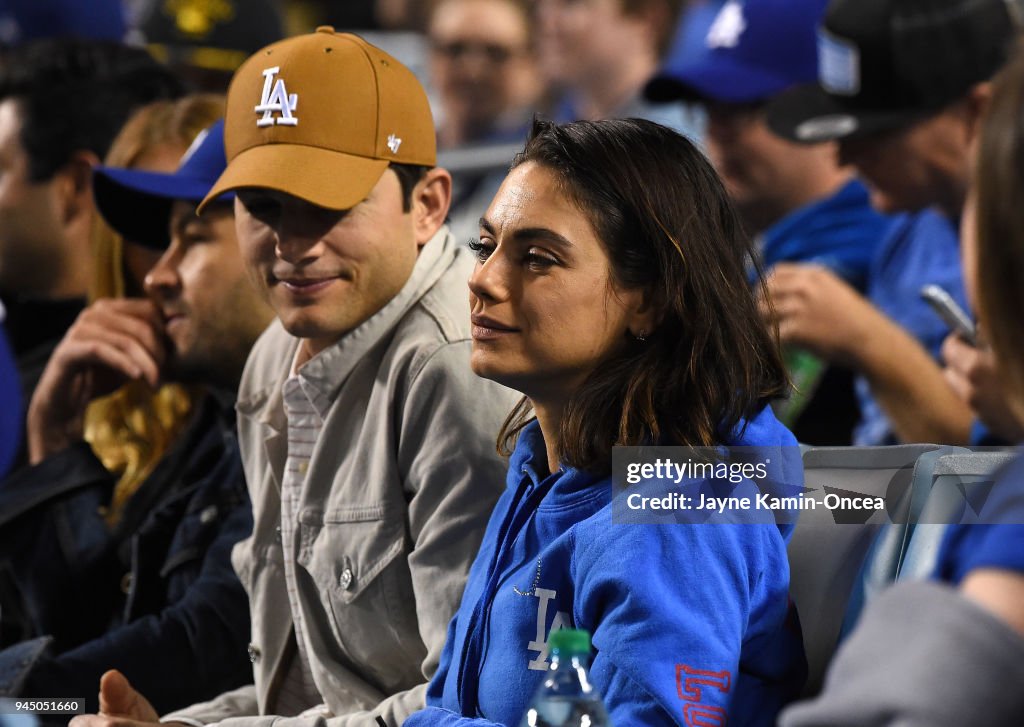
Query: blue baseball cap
[[22, 21], [138, 204], [753, 51]]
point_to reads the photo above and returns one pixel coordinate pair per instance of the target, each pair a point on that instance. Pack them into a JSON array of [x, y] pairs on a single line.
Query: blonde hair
[[131, 429]]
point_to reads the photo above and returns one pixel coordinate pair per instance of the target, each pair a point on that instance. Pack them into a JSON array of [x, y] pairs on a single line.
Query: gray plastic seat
[[828, 559], [960, 484]]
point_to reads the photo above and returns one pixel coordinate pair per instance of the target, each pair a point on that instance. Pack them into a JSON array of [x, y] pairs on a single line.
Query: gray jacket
[[922, 655], [398, 493]]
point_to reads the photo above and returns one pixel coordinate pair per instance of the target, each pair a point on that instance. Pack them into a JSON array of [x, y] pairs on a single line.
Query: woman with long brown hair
[[611, 291]]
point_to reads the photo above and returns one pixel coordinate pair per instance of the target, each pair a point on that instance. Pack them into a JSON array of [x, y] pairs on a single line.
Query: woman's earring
[[641, 336]]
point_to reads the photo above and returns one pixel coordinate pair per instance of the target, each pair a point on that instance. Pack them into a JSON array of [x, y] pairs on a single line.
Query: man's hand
[[817, 310], [113, 341], [973, 374], [120, 706]]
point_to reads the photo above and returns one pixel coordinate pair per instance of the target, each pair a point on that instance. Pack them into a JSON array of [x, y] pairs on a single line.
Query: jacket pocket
[[344, 550], [357, 559]]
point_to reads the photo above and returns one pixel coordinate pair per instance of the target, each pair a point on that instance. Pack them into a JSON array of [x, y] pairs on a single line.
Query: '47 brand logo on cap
[[275, 98]]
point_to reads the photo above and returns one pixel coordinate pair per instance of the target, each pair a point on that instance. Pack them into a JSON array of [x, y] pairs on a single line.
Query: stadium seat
[[836, 556], [960, 484]]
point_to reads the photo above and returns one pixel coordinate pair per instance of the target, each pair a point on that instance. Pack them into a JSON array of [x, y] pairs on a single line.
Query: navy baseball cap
[[753, 51], [138, 204], [884, 64], [22, 21]]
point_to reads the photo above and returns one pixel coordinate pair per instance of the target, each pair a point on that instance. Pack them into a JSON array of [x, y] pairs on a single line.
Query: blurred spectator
[[599, 54], [401, 14], [485, 74], [958, 640], [483, 69], [61, 104], [204, 42], [902, 87], [796, 198], [143, 556], [22, 21]]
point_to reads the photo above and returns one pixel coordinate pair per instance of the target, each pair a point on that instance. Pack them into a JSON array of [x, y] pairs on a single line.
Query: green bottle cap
[[569, 641]]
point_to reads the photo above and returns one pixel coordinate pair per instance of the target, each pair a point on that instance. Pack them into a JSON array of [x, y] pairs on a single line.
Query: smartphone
[[947, 309]]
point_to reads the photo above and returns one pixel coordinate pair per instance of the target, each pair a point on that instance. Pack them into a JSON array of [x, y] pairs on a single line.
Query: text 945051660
[[43, 705]]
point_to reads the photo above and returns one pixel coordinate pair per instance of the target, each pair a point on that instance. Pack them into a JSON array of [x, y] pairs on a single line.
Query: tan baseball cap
[[320, 117]]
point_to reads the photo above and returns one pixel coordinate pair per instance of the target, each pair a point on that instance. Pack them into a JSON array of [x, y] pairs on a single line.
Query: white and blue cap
[[138, 204], [753, 50]]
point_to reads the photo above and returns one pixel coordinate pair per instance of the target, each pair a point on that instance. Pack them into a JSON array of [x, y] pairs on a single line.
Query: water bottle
[[566, 698], [805, 372]]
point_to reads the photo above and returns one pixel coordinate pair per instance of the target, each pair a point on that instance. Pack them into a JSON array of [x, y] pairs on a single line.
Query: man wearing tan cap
[[368, 444]]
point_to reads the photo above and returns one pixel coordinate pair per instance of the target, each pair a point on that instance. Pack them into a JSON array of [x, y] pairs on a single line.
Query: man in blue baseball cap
[[154, 594], [802, 205]]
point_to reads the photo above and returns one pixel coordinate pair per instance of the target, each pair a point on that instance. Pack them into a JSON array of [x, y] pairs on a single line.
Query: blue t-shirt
[[689, 622], [922, 248], [843, 232], [998, 544]]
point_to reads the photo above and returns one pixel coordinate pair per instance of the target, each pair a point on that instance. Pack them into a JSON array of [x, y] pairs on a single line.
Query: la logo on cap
[[727, 27], [275, 98]]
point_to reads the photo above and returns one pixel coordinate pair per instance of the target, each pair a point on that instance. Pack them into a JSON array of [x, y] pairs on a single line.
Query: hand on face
[[113, 341], [817, 310], [974, 375]]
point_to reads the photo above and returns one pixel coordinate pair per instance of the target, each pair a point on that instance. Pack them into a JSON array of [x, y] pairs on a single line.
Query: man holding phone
[[906, 120]]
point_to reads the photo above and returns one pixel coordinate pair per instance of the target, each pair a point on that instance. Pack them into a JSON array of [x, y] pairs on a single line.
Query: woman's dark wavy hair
[[668, 228]]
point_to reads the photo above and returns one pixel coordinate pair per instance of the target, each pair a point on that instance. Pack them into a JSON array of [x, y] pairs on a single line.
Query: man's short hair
[[76, 94], [409, 176]]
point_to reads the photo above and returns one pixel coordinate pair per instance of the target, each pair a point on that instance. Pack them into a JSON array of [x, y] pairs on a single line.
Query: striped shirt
[[298, 690]]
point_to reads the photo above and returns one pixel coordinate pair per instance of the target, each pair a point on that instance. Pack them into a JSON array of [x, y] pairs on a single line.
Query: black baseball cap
[[883, 64]]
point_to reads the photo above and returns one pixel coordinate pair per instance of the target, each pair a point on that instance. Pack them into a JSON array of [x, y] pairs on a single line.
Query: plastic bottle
[[566, 698]]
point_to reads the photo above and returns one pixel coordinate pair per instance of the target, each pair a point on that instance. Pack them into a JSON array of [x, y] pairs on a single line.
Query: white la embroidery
[[276, 98], [393, 143], [540, 644], [728, 26]]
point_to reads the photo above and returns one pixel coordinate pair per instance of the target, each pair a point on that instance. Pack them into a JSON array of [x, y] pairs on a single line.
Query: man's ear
[[431, 198], [976, 106], [74, 187]]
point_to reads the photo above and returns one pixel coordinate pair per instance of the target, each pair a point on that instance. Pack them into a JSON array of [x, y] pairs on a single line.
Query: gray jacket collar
[[328, 370]]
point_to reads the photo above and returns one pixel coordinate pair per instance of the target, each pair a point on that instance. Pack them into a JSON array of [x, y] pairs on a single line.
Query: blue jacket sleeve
[[195, 639], [694, 613], [438, 717], [53, 543]]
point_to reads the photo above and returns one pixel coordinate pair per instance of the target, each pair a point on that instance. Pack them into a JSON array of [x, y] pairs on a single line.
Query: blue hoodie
[[691, 624]]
